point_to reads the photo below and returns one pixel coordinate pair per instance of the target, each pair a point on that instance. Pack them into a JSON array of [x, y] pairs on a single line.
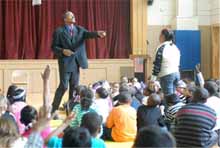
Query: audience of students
[[141, 114]]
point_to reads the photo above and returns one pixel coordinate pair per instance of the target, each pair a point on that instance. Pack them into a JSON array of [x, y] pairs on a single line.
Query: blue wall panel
[[190, 47]]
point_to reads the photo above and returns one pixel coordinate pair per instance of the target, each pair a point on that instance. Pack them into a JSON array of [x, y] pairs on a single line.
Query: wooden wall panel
[[139, 27], [215, 54], [102, 69], [93, 74], [206, 50], [1, 80]]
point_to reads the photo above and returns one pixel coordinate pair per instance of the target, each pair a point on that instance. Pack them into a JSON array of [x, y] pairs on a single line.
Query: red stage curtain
[[26, 30]]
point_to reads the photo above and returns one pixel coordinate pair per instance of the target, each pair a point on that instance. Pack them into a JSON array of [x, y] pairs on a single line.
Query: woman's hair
[[85, 103], [10, 92], [168, 35], [153, 136], [8, 132], [28, 115], [102, 92], [76, 137]]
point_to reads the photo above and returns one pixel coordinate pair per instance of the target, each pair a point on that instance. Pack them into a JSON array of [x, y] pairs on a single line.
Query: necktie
[[71, 32]]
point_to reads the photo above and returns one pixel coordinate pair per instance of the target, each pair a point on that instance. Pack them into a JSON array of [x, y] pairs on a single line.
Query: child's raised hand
[[46, 74], [198, 68]]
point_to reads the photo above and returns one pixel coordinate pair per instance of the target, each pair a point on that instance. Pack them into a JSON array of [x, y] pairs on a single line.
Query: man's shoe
[[56, 117]]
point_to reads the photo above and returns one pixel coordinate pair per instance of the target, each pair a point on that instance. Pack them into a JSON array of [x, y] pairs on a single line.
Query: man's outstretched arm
[[94, 34]]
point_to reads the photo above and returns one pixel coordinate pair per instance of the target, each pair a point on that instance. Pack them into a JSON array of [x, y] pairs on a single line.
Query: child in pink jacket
[[17, 97]]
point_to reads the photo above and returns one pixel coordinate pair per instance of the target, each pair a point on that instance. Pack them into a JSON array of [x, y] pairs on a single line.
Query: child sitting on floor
[[75, 100], [28, 117], [181, 91], [101, 103], [115, 89], [149, 89], [4, 111], [174, 104], [76, 137], [17, 98], [154, 137], [149, 114], [121, 122], [135, 103], [80, 109], [9, 136], [93, 122]]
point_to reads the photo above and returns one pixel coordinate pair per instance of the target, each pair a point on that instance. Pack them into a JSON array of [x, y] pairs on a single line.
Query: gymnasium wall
[[27, 74], [162, 14]]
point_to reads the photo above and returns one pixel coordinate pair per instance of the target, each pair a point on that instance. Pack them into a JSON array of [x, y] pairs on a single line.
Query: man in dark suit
[[69, 47]]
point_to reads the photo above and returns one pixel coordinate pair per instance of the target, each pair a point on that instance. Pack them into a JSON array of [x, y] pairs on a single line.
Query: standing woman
[[166, 63]]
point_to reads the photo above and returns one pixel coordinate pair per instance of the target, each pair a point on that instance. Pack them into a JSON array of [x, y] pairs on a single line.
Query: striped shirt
[[183, 98], [194, 124], [170, 113]]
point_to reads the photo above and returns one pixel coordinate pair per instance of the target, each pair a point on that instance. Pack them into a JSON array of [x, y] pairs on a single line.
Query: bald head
[[69, 17]]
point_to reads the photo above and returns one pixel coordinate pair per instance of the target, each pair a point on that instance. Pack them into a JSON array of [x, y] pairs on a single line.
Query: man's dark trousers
[[66, 78]]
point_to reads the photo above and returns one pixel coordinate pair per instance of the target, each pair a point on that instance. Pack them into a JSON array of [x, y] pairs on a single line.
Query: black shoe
[[56, 117]]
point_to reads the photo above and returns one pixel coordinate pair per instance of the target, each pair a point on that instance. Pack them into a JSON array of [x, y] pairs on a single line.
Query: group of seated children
[[128, 111]]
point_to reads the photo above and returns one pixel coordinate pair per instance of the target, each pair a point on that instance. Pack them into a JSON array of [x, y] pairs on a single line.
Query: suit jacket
[[63, 40]]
